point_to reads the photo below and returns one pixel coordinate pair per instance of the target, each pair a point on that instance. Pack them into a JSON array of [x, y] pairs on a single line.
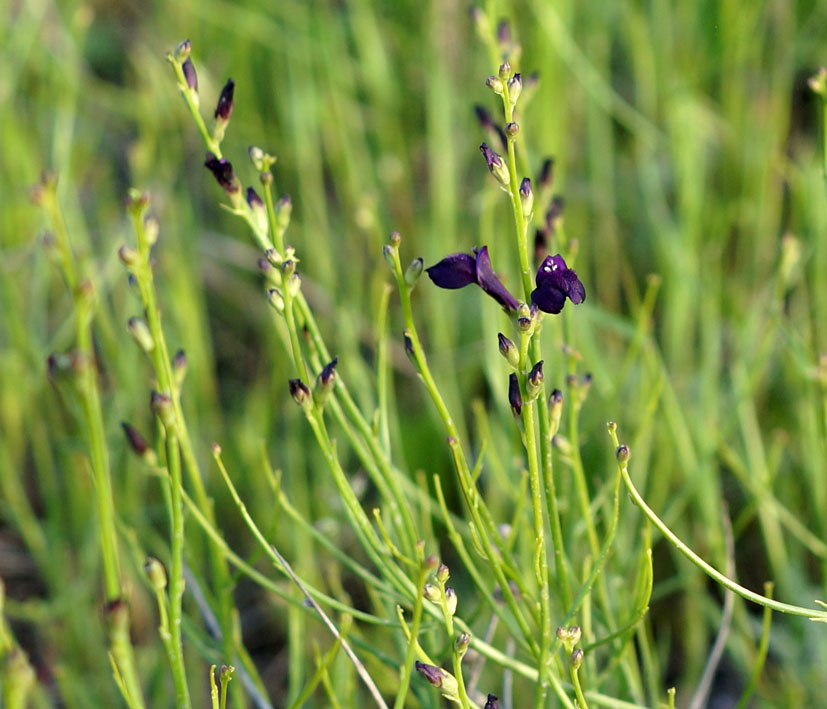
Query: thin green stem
[[711, 571], [407, 667], [176, 577]]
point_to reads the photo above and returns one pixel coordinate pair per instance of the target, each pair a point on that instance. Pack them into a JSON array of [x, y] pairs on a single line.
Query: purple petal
[[550, 270], [576, 293], [454, 271], [488, 281], [549, 300]]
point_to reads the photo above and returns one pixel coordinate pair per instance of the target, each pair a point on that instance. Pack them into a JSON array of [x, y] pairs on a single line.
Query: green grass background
[[685, 143]]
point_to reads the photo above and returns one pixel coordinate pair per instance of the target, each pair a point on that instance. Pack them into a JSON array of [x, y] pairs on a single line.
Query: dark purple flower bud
[[492, 702], [526, 197], [546, 177], [508, 350], [504, 32], [556, 282], [534, 383], [488, 125], [489, 282], [511, 129], [253, 200], [326, 381], [189, 74], [540, 246], [515, 398], [136, 441], [454, 271], [300, 393], [224, 109], [554, 213], [222, 170], [409, 348], [432, 673], [495, 164]]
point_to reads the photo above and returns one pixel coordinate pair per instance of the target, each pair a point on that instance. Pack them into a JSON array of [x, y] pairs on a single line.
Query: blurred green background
[[685, 141]]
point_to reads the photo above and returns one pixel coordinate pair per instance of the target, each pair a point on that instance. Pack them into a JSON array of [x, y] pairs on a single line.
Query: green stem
[[407, 668], [176, 577], [711, 571], [578, 690]]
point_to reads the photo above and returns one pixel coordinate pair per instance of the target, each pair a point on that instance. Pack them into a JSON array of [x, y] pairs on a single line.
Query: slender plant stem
[[711, 571], [176, 576]]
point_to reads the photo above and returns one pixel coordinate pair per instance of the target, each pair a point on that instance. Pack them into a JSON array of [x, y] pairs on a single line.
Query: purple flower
[[556, 282], [460, 270]]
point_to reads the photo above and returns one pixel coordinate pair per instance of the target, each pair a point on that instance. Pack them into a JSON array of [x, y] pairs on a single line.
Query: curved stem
[[711, 571]]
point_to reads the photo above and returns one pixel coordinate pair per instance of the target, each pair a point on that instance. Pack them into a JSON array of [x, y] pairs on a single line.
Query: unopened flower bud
[[432, 673], [116, 613], [139, 330], [152, 228], [300, 393], [495, 165], [225, 674], [555, 411], [182, 50], [409, 348], [189, 74], [162, 407], [258, 209], [137, 202], [284, 210], [276, 300], [179, 367], [534, 381], [515, 88], [509, 350], [224, 108], [156, 573], [526, 197], [576, 659], [493, 83], [432, 593], [443, 573], [515, 398], [138, 443], [546, 178], [256, 157], [505, 71], [461, 643], [492, 702], [413, 272], [395, 238], [325, 382], [128, 255], [222, 170], [451, 600], [387, 253], [623, 454], [511, 129]]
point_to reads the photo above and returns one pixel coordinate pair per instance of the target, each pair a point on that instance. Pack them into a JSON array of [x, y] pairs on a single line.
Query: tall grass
[[686, 146]]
